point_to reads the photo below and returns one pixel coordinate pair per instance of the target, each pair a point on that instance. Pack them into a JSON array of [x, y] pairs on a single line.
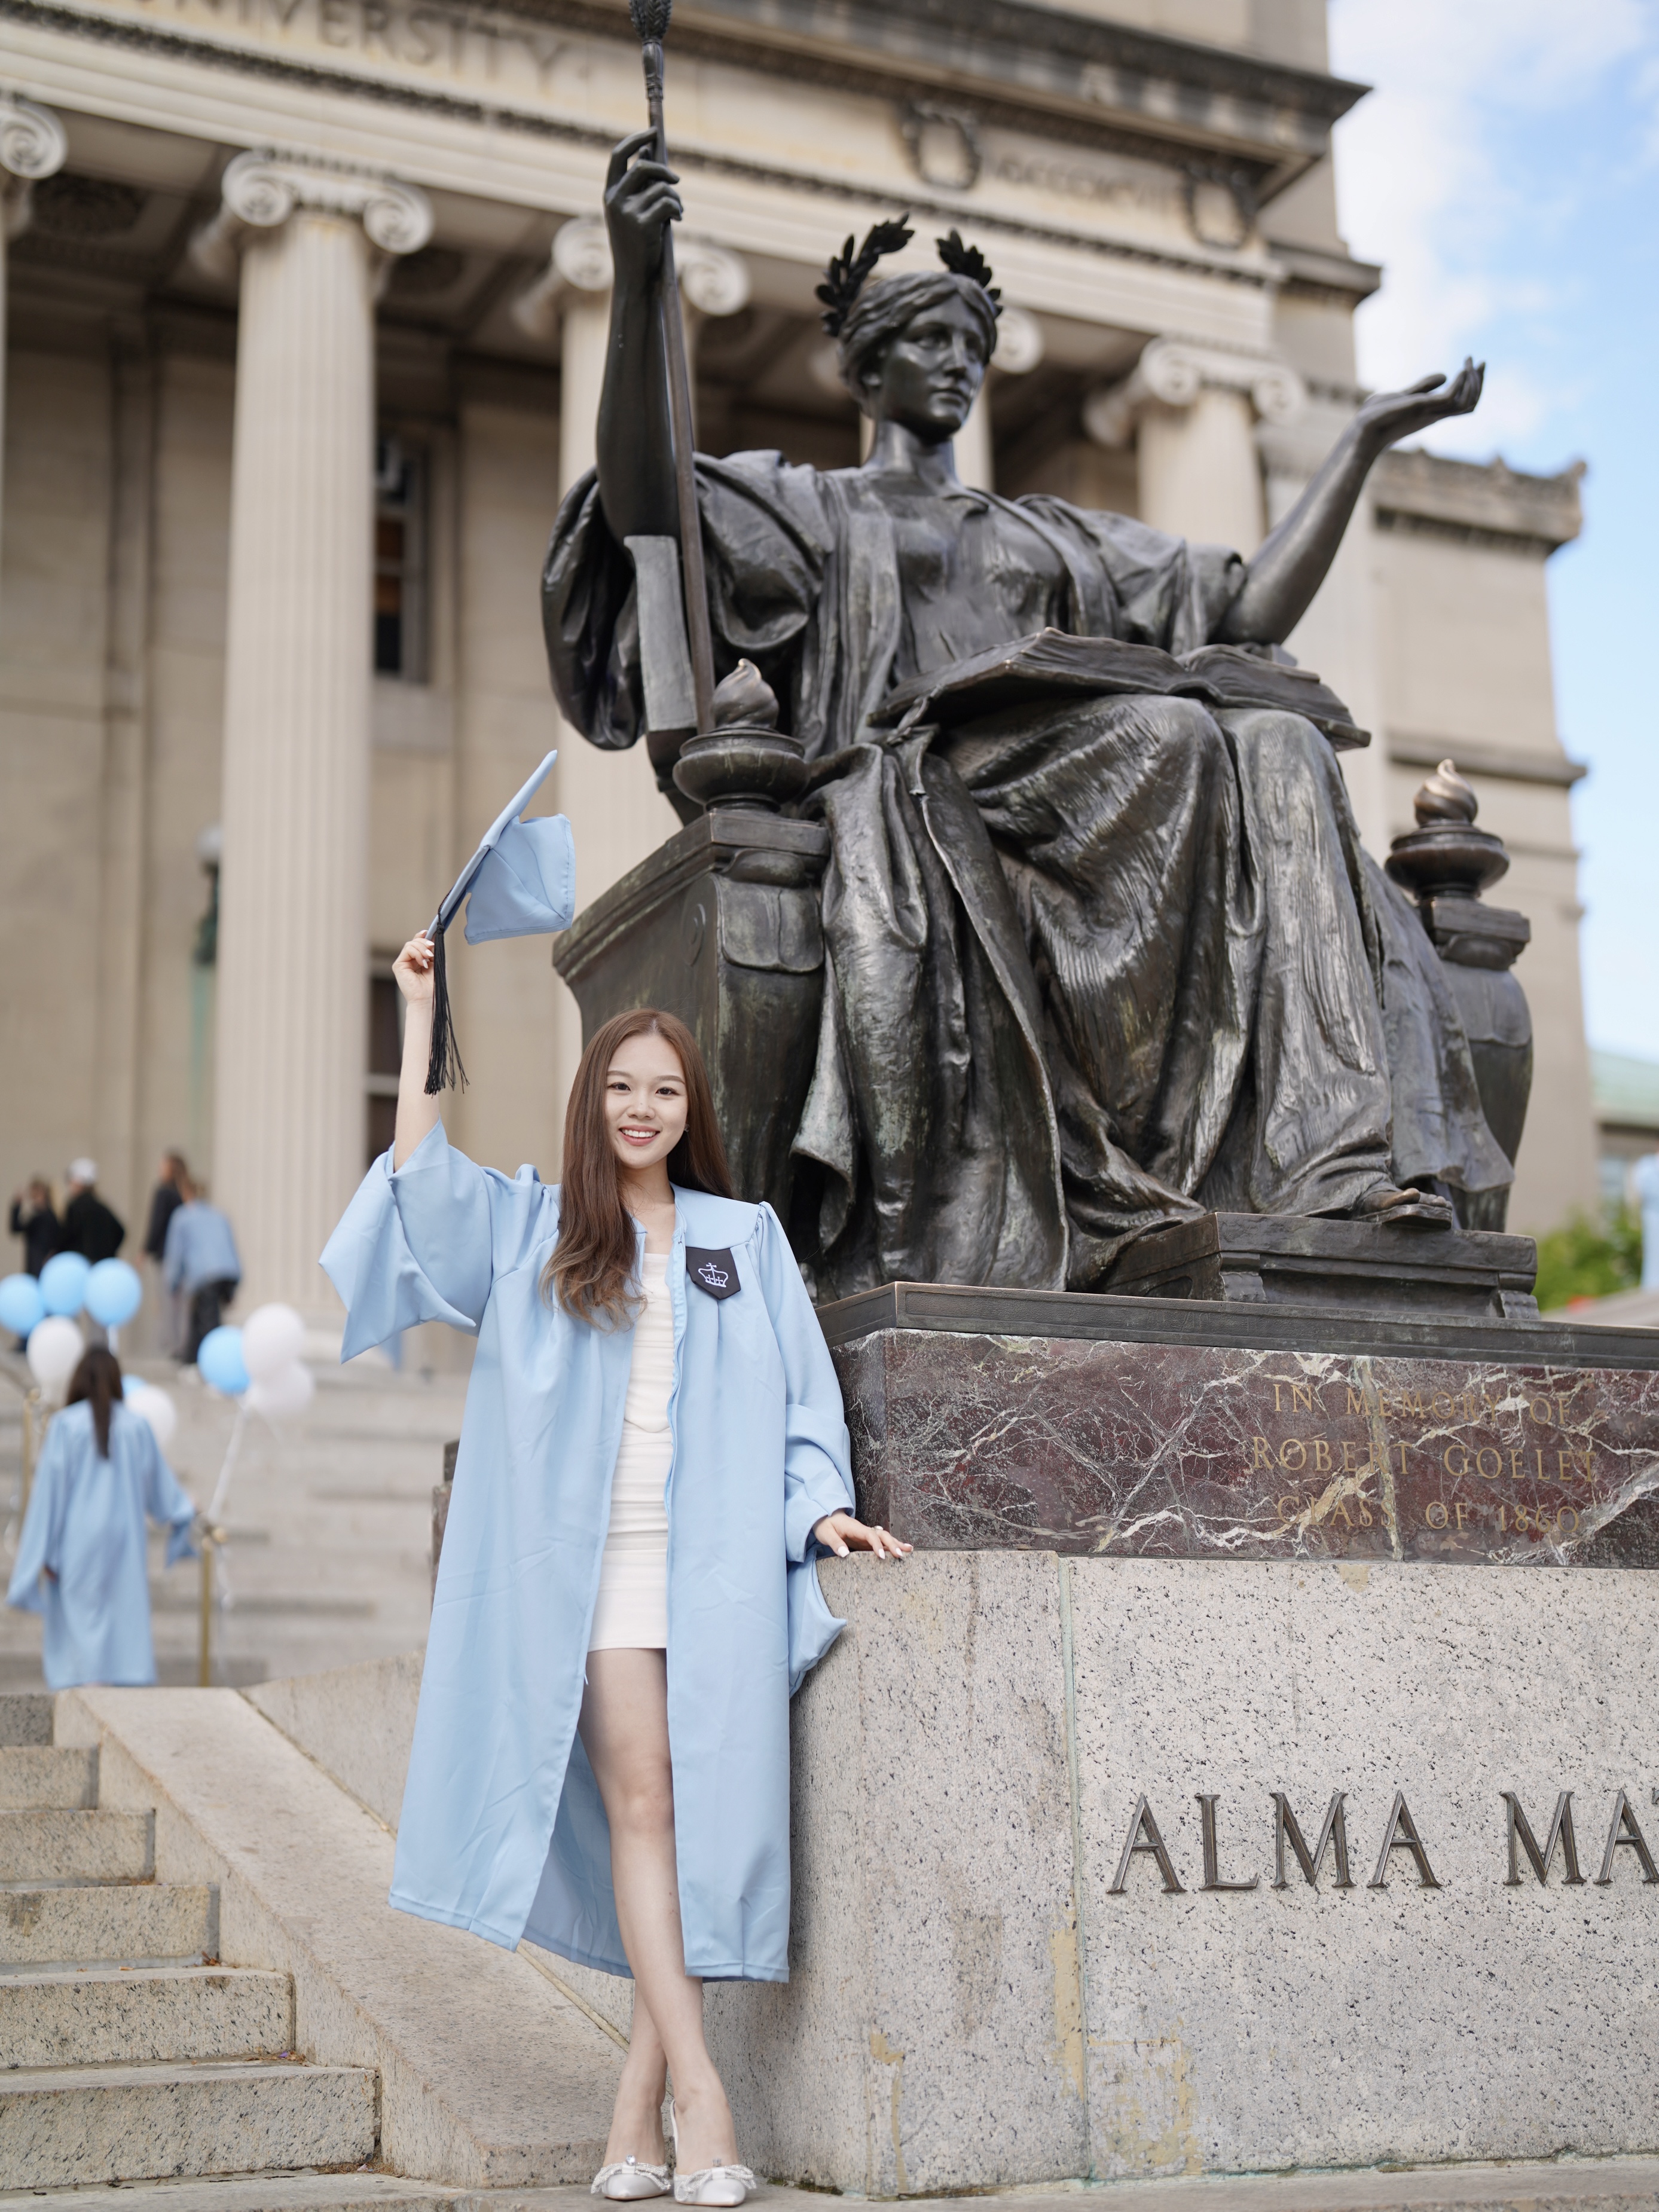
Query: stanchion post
[[211, 1539]]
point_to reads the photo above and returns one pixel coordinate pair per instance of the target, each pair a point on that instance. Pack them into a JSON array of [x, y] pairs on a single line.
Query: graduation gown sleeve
[[426, 1242]]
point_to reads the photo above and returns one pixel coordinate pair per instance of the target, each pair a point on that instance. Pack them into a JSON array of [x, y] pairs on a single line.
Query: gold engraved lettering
[[1540, 1410], [1347, 1517], [1561, 1528], [1462, 1513], [1278, 1387], [1356, 1404], [1321, 1452], [1302, 1398], [1488, 1473], [1515, 1467], [1364, 1510], [1436, 1403], [1293, 1465], [1503, 1521], [1410, 1402], [1462, 1466], [1261, 1454], [1437, 1507]]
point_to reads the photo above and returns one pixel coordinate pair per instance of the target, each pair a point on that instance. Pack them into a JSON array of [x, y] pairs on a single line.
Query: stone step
[[64, 2125], [26, 1716], [292, 2192], [36, 1779], [139, 2014], [144, 1923], [78, 1847]]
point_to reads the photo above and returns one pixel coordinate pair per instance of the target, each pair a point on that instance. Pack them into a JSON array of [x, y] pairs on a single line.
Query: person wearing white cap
[[90, 1227]]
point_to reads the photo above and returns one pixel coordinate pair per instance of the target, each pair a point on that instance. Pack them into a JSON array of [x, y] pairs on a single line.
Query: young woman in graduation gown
[[81, 1557], [653, 1454]]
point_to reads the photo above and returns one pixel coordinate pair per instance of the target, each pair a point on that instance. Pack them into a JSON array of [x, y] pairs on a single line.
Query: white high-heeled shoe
[[710, 2184], [627, 2180]]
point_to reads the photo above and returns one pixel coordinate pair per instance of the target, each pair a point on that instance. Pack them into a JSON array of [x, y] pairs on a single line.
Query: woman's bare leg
[[624, 1730]]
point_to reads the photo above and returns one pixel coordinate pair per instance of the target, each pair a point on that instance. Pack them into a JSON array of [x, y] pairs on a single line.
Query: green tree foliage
[[1590, 1259]]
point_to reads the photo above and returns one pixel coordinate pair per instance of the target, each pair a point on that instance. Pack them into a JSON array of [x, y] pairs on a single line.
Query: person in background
[[199, 1258], [82, 1557], [90, 1228], [34, 1221], [173, 1182]]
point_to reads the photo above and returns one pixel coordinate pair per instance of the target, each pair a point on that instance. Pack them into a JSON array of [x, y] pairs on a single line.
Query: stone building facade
[[305, 309]]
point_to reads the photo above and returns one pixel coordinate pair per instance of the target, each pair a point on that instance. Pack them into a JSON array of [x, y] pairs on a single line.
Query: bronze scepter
[[650, 19]]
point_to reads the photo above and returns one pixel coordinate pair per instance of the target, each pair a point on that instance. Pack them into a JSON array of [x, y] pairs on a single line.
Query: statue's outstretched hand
[[1390, 416], [640, 201]]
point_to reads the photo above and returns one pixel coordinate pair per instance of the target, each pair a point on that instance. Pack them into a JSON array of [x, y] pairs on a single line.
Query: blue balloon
[[20, 1304], [64, 1283], [219, 1362], [114, 1292]]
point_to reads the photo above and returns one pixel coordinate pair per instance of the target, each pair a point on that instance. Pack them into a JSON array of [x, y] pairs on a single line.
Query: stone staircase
[[127, 2053]]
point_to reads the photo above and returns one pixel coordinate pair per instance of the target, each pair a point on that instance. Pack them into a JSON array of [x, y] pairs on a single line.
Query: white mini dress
[[632, 1613]]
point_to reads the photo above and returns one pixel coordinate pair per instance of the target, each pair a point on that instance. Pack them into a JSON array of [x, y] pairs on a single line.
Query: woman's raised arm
[[417, 1114]]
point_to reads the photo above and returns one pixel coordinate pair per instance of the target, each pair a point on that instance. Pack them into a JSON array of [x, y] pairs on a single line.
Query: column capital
[[713, 281], [260, 190], [1173, 371], [31, 146]]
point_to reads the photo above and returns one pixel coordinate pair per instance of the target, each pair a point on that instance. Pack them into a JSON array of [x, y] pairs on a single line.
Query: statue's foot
[[1386, 1204]]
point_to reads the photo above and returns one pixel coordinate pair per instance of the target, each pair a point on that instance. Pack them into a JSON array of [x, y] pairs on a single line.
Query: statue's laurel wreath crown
[[849, 270]]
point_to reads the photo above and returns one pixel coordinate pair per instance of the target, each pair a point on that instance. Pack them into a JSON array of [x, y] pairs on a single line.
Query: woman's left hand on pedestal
[[841, 1533]]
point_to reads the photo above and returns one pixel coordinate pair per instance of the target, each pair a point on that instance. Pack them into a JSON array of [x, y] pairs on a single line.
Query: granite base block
[[989, 1987]]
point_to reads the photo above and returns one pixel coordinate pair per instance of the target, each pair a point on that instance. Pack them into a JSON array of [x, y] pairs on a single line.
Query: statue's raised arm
[[1294, 559], [636, 446]]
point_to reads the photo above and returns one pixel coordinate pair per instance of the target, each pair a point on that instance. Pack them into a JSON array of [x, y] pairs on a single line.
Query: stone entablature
[[1490, 498]]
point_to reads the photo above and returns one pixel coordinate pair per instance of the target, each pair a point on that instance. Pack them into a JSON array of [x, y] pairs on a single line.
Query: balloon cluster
[[43, 1311], [260, 1362]]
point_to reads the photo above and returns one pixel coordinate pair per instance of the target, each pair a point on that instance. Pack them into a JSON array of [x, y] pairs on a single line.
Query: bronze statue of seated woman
[[1098, 959]]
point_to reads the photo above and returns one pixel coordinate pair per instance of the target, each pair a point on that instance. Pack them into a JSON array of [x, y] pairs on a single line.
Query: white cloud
[[1421, 187]]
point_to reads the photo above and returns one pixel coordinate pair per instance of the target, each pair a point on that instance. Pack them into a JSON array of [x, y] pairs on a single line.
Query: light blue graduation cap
[[521, 882]]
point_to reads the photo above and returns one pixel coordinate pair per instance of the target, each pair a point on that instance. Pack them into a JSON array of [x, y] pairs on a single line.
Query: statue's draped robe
[[1093, 965]]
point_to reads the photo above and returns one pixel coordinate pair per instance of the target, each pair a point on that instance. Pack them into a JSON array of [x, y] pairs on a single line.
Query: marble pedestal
[[1055, 1785]]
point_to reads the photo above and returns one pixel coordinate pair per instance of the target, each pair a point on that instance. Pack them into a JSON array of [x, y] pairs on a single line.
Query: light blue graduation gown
[[503, 1829], [86, 1522]]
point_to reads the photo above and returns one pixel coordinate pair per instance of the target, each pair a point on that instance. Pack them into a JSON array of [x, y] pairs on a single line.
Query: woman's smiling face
[[644, 1100]]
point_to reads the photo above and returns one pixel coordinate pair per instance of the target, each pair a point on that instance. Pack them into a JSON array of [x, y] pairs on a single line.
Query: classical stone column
[[1020, 346], [1193, 408], [289, 1113], [31, 146]]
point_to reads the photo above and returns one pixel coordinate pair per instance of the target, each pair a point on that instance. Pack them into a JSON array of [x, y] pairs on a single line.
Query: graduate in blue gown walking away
[[82, 1558], [654, 1455]]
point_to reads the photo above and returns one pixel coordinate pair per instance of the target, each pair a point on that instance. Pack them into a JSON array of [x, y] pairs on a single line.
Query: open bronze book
[[1050, 663]]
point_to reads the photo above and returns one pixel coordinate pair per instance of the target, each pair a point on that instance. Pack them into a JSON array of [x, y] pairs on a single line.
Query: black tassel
[[443, 1069]]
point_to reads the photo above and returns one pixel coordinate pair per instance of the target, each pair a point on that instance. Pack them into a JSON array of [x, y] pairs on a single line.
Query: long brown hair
[[591, 1270], [98, 1380]]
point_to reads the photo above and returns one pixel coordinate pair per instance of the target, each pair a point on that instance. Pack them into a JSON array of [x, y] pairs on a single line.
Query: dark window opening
[[385, 1053], [399, 561]]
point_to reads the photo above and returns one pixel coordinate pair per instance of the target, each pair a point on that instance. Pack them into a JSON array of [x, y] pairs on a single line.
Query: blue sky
[[1505, 170]]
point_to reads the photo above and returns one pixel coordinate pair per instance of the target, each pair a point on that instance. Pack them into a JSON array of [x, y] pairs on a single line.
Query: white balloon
[[282, 1396], [54, 1353], [273, 1338], [155, 1406]]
